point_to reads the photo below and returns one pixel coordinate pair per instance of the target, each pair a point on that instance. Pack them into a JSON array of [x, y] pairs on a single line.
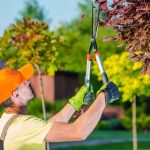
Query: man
[[26, 132]]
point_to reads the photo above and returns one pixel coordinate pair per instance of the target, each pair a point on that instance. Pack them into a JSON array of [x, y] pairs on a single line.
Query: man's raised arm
[[84, 125], [81, 128]]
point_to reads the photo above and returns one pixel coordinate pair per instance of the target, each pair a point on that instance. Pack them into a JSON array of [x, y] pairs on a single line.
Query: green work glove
[[83, 96], [89, 97], [111, 92]]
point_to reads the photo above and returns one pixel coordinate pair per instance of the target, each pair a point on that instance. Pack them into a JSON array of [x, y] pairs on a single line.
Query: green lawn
[[116, 134], [114, 146], [108, 135]]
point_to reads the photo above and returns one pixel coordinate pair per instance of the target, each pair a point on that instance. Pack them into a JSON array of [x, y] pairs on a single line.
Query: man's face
[[23, 94]]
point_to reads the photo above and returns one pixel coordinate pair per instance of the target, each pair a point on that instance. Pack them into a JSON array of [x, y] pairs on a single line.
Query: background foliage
[[126, 75], [131, 19], [30, 41]]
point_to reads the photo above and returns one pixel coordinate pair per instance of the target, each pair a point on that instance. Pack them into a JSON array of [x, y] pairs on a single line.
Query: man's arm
[[64, 115], [82, 127], [75, 103]]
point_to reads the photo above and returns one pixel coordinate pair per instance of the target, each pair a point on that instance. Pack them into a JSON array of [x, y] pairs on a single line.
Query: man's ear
[[14, 94]]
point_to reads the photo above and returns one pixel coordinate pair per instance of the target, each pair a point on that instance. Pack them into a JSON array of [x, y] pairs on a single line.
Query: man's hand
[[89, 97], [111, 92], [83, 96]]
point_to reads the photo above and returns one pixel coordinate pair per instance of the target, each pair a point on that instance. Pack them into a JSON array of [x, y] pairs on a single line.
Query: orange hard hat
[[10, 79]]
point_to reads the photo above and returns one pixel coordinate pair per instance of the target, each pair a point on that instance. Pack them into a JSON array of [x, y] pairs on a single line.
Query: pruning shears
[[93, 46]]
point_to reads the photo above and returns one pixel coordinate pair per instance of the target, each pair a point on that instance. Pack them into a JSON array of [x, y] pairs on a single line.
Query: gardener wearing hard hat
[[23, 132]]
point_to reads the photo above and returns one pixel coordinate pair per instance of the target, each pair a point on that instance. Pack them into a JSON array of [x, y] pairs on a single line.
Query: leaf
[[120, 45], [82, 17], [103, 6], [109, 38], [131, 19], [100, 1], [119, 37], [134, 57], [145, 69]]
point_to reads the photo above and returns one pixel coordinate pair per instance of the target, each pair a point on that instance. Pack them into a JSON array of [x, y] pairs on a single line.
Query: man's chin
[[31, 98]]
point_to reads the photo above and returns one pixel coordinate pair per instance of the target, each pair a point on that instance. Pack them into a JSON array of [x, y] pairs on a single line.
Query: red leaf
[[101, 1], [119, 37], [120, 45], [81, 18], [109, 38], [103, 6]]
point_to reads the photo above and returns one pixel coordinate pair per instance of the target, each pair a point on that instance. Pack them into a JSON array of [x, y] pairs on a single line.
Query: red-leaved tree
[[131, 18]]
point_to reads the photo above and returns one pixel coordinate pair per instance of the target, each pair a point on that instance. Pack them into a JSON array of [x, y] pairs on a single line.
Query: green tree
[[131, 84], [30, 41], [33, 10], [126, 75], [77, 35]]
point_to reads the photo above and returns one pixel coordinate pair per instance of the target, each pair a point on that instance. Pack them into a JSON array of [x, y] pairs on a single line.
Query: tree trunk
[[42, 98], [41, 91], [134, 127]]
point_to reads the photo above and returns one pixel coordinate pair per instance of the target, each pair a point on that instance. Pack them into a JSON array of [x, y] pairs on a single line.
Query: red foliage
[[102, 4], [131, 18]]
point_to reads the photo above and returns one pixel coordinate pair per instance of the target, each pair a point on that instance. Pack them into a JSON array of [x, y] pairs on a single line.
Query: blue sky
[[58, 11]]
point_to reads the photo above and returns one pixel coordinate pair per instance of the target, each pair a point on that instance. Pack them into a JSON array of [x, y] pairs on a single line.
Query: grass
[[112, 134], [116, 134], [114, 146]]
